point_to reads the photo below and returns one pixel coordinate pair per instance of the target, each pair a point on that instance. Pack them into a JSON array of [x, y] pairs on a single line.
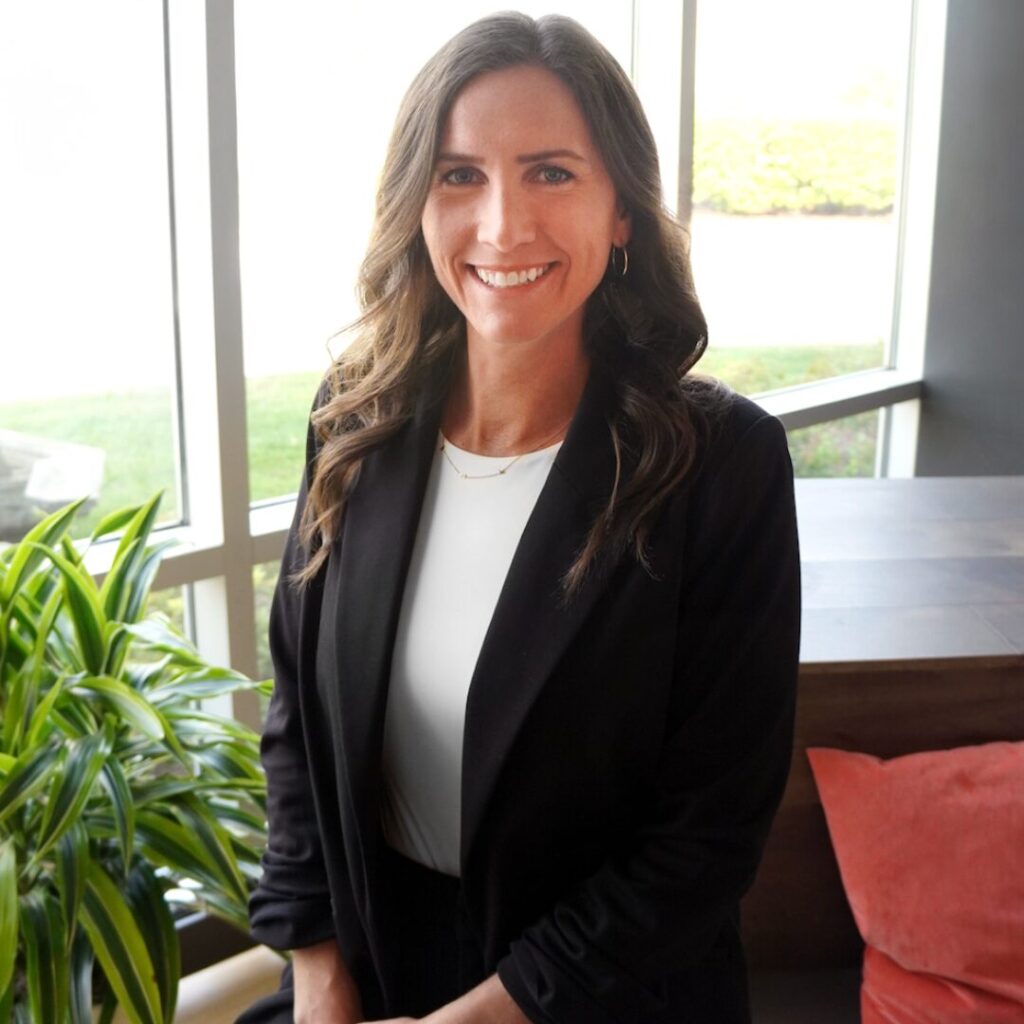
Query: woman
[[536, 636]]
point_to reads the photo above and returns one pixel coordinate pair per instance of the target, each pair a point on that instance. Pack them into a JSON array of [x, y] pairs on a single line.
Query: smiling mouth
[[511, 278]]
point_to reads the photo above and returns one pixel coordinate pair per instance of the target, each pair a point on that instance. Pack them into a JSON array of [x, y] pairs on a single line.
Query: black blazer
[[623, 756]]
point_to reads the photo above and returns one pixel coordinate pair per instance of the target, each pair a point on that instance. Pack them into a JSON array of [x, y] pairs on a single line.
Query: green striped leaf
[[7, 762], [74, 716], [140, 676], [29, 776], [116, 586], [145, 897], [120, 948], [71, 553], [251, 820], [24, 613], [107, 1009], [14, 648], [39, 587], [84, 608], [172, 742], [157, 790], [199, 685], [118, 643], [113, 521], [216, 843], [139, 525], [84, 761], [24, 557], [166, 842], [40, 720], [8, 911], [46, 967], [134, 708], [21, 702], [223, 907], [229, 762], [72, 865], [126, 586], [207, 723], [122, 803], [80, 993], [159, 636], [143, 581]]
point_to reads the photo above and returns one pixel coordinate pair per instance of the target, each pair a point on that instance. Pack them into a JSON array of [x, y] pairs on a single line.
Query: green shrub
[[757, 167], [116, 786]]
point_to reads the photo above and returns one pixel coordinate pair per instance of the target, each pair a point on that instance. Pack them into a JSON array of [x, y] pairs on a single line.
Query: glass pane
[[751, 370], [264, 579], [277, 406], [797, 131], [308, 162], [86, 375], [172, 602], [845, 447]]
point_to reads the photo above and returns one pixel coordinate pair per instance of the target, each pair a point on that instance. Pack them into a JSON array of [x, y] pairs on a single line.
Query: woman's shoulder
[[735, 434]]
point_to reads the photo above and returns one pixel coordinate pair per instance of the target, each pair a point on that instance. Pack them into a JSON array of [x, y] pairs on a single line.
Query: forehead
[[523, 105]]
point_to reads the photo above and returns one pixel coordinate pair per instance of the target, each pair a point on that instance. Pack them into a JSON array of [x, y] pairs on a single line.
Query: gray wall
[[972, 420]]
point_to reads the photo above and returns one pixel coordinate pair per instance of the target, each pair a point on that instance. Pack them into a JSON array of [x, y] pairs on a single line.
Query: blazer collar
[[529, 630], [532, 624]]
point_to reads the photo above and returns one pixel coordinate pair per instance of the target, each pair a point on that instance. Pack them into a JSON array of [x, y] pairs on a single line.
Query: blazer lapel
[[362, 601], [531, 625], [529, 629]]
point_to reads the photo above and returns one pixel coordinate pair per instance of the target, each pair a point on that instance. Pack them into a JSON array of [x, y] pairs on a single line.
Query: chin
[[506, 334]]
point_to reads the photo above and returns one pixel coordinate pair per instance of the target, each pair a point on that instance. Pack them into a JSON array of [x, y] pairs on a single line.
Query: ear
[[623, 228]]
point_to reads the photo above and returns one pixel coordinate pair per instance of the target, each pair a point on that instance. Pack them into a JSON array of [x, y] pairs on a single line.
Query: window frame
[[222, 536]]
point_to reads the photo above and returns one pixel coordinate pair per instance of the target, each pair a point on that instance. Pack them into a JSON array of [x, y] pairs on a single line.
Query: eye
[[551, 175], [459, 176]]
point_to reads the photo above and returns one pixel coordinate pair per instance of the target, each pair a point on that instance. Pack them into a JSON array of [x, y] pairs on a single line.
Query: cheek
[[443, 235], [433, 224]]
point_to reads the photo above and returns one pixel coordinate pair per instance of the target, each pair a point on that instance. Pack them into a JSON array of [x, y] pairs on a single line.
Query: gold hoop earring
[[625, 262]]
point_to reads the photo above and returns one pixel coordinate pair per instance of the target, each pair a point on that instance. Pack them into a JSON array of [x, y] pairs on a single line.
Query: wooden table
[[913, 639], [919, 569]]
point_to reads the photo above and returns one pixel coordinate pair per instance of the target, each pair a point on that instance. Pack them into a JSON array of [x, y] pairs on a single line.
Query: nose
[[506, 220]]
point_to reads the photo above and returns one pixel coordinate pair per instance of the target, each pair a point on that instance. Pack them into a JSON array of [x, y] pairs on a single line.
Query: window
[[87, 395], [795, 171], [155, 210]]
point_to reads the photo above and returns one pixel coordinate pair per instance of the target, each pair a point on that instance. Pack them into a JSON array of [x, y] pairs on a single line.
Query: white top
[[468, 532]]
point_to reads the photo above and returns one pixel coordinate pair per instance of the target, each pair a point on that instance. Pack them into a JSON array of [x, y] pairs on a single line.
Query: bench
[[913, 639]]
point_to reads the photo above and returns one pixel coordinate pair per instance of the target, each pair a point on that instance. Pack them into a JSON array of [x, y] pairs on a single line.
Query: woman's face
[[521, 213]]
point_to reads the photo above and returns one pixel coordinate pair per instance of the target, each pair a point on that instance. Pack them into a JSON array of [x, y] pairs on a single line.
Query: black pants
[[433, 957]]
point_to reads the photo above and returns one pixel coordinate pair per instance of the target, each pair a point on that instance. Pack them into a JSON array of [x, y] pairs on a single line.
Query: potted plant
[[119, 792]]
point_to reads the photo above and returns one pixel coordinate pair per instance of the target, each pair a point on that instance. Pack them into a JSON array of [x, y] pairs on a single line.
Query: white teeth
[[512, 278]]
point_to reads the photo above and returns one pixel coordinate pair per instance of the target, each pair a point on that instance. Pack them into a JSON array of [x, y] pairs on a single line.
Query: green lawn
[[278, 408], [754, 370], [136, 429]]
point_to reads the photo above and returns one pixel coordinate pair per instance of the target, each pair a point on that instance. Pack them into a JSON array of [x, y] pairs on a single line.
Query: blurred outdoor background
[[798, 122]]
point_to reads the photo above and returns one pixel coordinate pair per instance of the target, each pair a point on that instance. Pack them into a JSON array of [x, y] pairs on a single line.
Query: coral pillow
[[931, 851]]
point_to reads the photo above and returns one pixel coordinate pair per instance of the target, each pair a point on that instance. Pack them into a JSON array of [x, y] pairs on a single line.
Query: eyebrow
[[525, 158]]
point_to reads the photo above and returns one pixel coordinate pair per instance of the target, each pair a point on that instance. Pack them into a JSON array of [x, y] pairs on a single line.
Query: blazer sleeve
[[599, 954], [291, 906]]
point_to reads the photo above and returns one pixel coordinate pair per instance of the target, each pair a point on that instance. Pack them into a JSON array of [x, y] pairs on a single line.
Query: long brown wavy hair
[[645, 330]]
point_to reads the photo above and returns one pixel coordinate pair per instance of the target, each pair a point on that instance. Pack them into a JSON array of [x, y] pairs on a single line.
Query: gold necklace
[[478, 476], [504, 469]]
